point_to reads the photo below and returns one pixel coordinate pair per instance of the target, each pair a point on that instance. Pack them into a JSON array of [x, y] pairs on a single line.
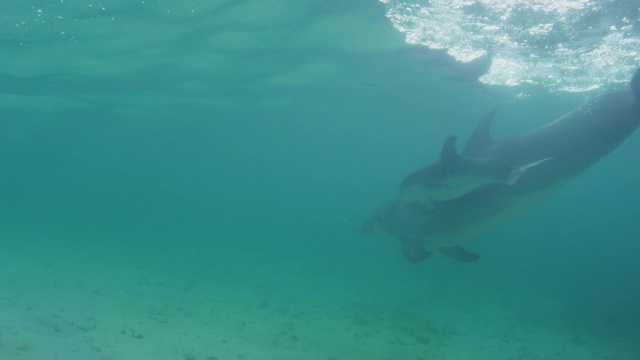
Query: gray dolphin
[[501, 179], [454, 175]]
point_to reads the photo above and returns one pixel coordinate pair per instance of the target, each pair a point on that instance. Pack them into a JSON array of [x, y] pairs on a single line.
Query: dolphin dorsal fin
[[481, 136], [449, 154]]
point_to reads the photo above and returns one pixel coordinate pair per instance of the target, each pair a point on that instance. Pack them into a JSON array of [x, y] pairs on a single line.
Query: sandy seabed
[[56, 303]]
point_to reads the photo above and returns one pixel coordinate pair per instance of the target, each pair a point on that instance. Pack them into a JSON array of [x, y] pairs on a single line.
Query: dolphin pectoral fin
[[413, 250], [458, 253], [515, 174]]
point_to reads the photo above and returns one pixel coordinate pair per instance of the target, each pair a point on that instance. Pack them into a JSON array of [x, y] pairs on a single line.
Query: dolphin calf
[[461, 196], [454, 175]]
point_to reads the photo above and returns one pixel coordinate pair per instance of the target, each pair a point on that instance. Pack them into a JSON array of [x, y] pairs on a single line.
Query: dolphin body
[[457, 198], [454, 175]]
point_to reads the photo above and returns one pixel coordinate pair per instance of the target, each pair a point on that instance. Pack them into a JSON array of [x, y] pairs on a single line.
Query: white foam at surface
[[570, 45]]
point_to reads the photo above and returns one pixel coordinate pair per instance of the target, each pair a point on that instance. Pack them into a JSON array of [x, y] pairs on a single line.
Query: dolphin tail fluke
[[413, 250], [459, 254]]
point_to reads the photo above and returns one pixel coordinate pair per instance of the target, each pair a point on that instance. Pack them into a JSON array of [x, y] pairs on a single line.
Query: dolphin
[[454, 175], [496, 181]]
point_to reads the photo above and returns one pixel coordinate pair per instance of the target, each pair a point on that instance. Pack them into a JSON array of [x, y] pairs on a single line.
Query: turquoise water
[[186, 181]]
